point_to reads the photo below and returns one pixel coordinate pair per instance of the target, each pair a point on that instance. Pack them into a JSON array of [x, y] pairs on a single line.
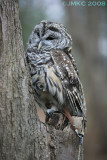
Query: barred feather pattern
[[56, 81], [53, 69]]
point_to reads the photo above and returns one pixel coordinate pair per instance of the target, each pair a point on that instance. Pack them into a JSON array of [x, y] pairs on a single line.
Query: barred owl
[[53, 70]]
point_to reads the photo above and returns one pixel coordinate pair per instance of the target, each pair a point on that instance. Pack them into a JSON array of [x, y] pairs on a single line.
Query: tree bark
[[22, 135]]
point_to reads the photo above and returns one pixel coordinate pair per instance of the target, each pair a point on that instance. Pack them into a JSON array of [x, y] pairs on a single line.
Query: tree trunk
[[22, 135]]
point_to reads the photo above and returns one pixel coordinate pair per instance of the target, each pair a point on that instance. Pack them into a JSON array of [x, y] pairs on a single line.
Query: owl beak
[[40, 45]]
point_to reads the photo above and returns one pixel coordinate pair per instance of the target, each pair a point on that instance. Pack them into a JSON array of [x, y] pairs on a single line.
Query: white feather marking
[[60, 95], [54, 85], [70, 100], [77, 97]]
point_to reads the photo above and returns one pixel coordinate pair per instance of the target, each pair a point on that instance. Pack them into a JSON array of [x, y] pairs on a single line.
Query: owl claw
[[48, 116], [80, 136], [49, 113], [51, 110]]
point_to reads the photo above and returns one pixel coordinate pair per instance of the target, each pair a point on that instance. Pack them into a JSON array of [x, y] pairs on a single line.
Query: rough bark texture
[[22, 135]]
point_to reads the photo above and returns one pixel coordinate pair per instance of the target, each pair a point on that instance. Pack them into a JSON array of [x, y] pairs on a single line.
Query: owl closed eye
[[51, 36]]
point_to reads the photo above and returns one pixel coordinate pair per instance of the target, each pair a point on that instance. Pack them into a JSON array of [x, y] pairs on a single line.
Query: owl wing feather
[[73, 62], [70, 82]]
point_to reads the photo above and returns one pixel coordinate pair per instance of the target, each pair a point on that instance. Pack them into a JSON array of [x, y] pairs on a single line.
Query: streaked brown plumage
[[54, 73]]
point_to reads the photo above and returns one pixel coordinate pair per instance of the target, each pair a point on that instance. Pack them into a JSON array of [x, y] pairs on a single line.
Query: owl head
[[49, 35]]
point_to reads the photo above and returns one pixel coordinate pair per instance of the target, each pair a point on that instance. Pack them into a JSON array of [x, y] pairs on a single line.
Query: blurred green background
[[88, 27]]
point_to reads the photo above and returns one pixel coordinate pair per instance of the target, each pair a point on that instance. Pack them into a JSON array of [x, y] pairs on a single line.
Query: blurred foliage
[[29, 16]]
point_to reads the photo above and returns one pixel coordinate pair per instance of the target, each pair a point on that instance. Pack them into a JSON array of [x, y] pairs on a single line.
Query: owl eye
[[53, 29], [50, 38], [41, 87]]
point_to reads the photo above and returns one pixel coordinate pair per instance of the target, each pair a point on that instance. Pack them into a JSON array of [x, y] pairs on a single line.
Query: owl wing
[[73, 62], [71, 85]]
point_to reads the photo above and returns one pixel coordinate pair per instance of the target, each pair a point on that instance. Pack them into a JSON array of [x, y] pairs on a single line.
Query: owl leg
[[67, 114]]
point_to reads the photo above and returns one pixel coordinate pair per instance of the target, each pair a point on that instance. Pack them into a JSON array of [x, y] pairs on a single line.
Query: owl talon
[[79, 135], [80, 138], [49, 113], [47, 117], [51, 110]]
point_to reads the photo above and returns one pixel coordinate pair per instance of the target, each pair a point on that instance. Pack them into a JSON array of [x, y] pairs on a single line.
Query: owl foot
[[50, 111], [80, 136]]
